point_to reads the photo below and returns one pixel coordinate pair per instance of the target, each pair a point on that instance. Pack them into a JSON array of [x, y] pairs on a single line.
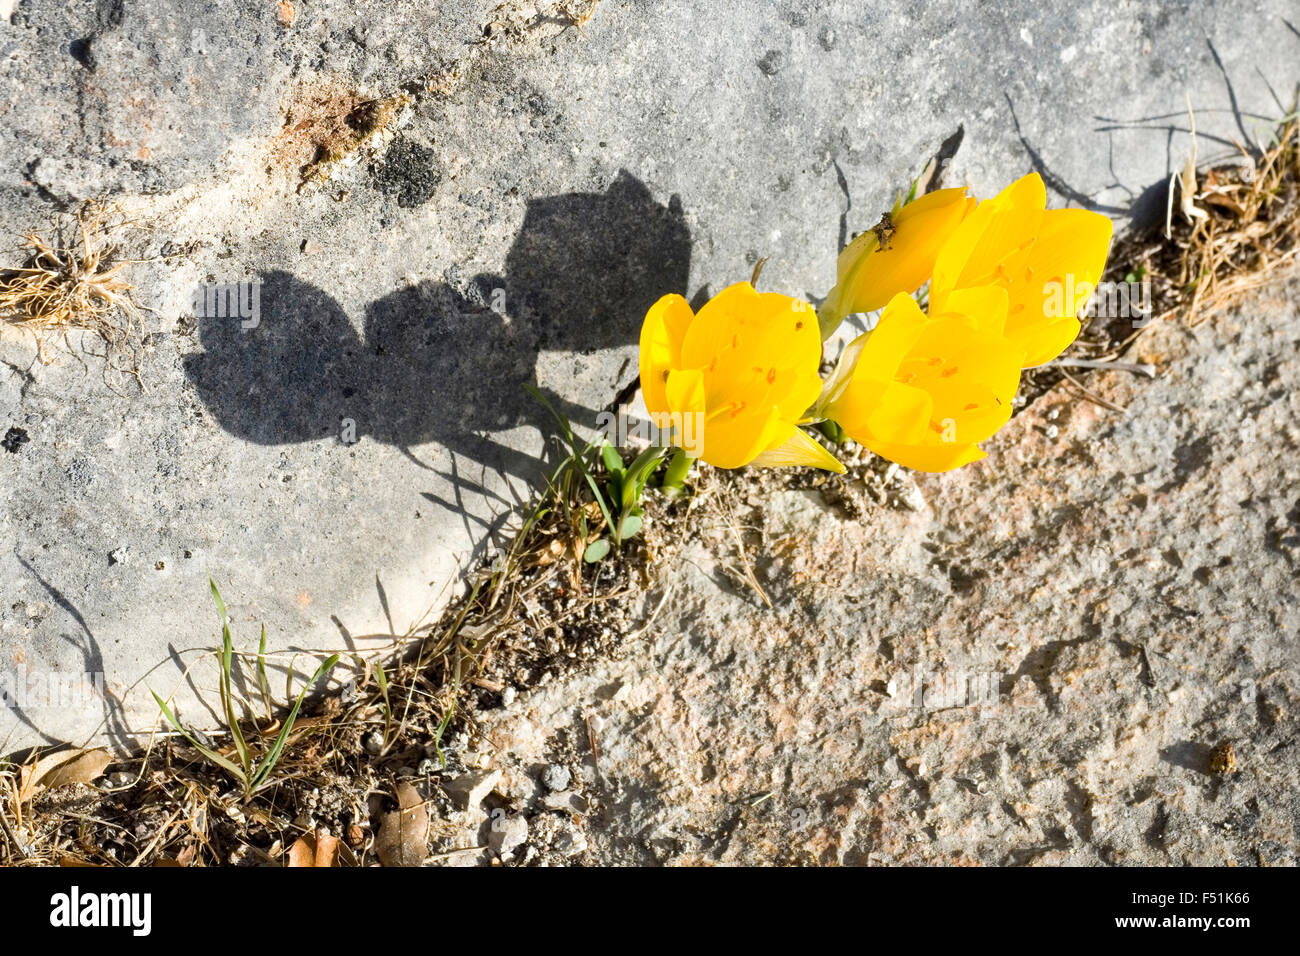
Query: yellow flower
[[1048, 261], [735, 380], [923, 390], [872, 270]]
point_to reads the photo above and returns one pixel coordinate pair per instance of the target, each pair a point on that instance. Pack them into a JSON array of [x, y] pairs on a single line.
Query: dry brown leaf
[[60, 769], [319, 850], [402, 839]]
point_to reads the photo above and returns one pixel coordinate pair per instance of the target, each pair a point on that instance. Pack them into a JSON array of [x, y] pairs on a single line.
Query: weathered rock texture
[[1088, 614], [550, 184]]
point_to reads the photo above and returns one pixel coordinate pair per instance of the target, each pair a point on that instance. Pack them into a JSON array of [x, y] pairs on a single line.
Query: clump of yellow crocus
[[924, 390], [1008, 279], [897, 255], [1048, 261], [735, 380]]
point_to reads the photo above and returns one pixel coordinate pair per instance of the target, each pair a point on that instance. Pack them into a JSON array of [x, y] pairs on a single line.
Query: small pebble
[[508, 833], [569, 842], [556, 777], [469, 789]]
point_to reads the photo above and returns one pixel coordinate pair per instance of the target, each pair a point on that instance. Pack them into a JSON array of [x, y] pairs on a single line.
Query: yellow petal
[[684, 414], [902, 415], [949, 351], [1046, 341], [872, 402], [893, 337], [997, 229], [732, 440], [757, 351], [798, 397], [929, 457], [684, 391], [716, 326], [871, 410], [1059, 274], [966, 411], [983, 306], [799, 449], [869, 273], [662, 335]]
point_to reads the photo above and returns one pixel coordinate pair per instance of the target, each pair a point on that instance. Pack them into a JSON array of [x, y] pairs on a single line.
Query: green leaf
[[596, 550], [216, 596], [577, 456], [679, 466], [613, 460], [832, 431], [638, 473], [630, 526], [226, 690]]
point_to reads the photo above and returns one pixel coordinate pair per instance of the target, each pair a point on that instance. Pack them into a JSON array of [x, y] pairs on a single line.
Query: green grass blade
[[577, 456], [263, 682], [227, 693], [268, 762], [223, 681], [216, 596], [206, 751], [381, 676]]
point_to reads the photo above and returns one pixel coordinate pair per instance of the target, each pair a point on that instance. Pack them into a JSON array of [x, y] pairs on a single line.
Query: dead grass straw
[[1230, 229], [68, 284]]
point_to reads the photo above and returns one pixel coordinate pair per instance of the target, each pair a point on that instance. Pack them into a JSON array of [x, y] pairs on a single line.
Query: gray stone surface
[[662, 147], [1092, 611]]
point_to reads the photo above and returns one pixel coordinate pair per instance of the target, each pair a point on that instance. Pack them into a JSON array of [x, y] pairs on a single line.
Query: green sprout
[[250, 770]]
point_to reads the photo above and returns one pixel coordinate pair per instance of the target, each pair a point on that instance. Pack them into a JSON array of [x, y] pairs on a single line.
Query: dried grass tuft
[[1240, 228], [74, 284], [1230, 229]]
